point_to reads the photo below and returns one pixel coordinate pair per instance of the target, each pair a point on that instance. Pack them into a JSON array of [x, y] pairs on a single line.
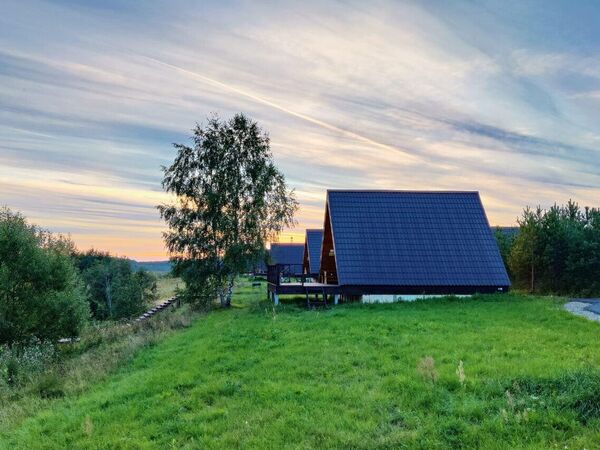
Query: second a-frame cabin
[[312, 252], [289, 256], [409, 242]]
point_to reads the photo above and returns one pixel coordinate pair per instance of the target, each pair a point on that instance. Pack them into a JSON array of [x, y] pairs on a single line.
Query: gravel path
[[584, 308]]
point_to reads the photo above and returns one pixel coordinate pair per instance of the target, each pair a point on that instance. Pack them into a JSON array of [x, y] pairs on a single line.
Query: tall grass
[[31, 377]]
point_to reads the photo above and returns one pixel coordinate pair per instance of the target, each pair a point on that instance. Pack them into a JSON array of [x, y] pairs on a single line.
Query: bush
[[41, 293], [202, 287], [114, 290], [21, 363]]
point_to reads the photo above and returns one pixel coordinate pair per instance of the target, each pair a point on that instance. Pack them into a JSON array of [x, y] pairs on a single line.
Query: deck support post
[[276, 298], [336, 298]]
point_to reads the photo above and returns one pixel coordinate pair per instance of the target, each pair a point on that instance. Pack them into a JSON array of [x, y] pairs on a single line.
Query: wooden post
[[336, 298], [276, 298]]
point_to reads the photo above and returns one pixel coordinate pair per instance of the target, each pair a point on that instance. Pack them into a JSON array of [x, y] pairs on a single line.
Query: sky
[[500, 97]]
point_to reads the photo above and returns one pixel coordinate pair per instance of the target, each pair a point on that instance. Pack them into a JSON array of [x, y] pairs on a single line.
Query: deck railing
[[278, 273]]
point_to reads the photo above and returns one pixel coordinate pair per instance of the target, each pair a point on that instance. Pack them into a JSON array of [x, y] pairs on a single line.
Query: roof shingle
[[314, 240], [286, 253], [409, 238]]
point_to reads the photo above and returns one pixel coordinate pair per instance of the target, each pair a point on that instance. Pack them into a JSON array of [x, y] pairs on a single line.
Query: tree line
[[49, 290], [555, 250]]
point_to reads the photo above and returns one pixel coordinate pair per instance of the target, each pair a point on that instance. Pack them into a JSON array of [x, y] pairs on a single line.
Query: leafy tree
[[558, 250], [525, 254], [41, 293], [114, 290], [85, 260], [583, 261], [230, 199], [505, 240]]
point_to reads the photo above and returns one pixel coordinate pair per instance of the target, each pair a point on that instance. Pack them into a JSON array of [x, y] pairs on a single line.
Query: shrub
[[40, 290], [21, 363], [201, 288]]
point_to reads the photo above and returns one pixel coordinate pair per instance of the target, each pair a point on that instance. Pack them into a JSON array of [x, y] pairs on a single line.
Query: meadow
[[510, 371]]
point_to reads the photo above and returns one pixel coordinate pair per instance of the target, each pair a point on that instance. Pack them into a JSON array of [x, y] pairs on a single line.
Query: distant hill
[[152, 266]]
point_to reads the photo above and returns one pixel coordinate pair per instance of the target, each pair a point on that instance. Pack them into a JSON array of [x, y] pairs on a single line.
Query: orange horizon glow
[[420, 99]]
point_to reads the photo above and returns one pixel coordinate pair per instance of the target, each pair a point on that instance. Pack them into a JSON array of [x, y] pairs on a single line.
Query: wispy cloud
[[410, 95]]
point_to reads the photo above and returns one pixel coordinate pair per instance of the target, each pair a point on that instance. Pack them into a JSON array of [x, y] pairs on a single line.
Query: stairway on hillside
[[156, 309]]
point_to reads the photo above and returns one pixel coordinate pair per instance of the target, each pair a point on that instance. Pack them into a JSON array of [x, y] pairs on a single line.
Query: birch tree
[[229, 199]]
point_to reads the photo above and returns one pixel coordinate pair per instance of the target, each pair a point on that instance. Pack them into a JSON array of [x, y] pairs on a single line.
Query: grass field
[[353, 376]]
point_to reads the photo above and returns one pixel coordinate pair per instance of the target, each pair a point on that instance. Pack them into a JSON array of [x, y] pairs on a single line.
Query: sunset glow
[[93, 94]]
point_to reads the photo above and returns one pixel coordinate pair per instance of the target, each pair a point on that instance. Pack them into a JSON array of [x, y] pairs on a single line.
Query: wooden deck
[[317, 294], [303, 288]]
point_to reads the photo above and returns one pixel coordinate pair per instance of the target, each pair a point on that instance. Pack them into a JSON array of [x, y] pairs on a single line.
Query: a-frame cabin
[[409, 243], [312, 252]]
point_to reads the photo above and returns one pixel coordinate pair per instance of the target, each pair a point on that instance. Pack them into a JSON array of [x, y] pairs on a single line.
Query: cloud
[[396, 95]]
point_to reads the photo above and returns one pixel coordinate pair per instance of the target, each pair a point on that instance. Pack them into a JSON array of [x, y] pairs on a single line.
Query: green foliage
[[558, 250], [230, 198], [41, 293], [21, 362], [347, 377], [505, 241], [114, 290]]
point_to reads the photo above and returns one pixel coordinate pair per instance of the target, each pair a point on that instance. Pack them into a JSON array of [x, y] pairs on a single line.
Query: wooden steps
[[316, 302], [156, 309]]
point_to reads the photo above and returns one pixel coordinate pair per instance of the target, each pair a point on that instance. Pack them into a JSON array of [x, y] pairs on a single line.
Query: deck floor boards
[[302, 288]]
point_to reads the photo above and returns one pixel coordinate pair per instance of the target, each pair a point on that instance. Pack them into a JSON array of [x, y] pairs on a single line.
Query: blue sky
[[499, 97]]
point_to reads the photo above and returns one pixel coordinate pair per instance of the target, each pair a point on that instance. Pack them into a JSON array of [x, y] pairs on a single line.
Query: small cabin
[[312, 252], [289, 256]]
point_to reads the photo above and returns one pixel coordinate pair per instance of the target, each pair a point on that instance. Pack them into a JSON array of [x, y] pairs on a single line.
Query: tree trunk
[[226, 298], [108, 295], [532, 278]]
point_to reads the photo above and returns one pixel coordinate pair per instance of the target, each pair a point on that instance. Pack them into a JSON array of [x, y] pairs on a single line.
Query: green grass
[[348, 377]]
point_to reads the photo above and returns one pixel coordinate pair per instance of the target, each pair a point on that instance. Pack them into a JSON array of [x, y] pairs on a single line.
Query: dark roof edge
[[405, 191], [328, 211]]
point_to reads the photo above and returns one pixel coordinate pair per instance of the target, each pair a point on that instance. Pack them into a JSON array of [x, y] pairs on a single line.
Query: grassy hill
[[355, 376]]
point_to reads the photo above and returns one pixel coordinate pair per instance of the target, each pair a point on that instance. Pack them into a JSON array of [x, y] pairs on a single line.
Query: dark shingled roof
[[314, 239], [282, 253], [407, 238], [259, 267]]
